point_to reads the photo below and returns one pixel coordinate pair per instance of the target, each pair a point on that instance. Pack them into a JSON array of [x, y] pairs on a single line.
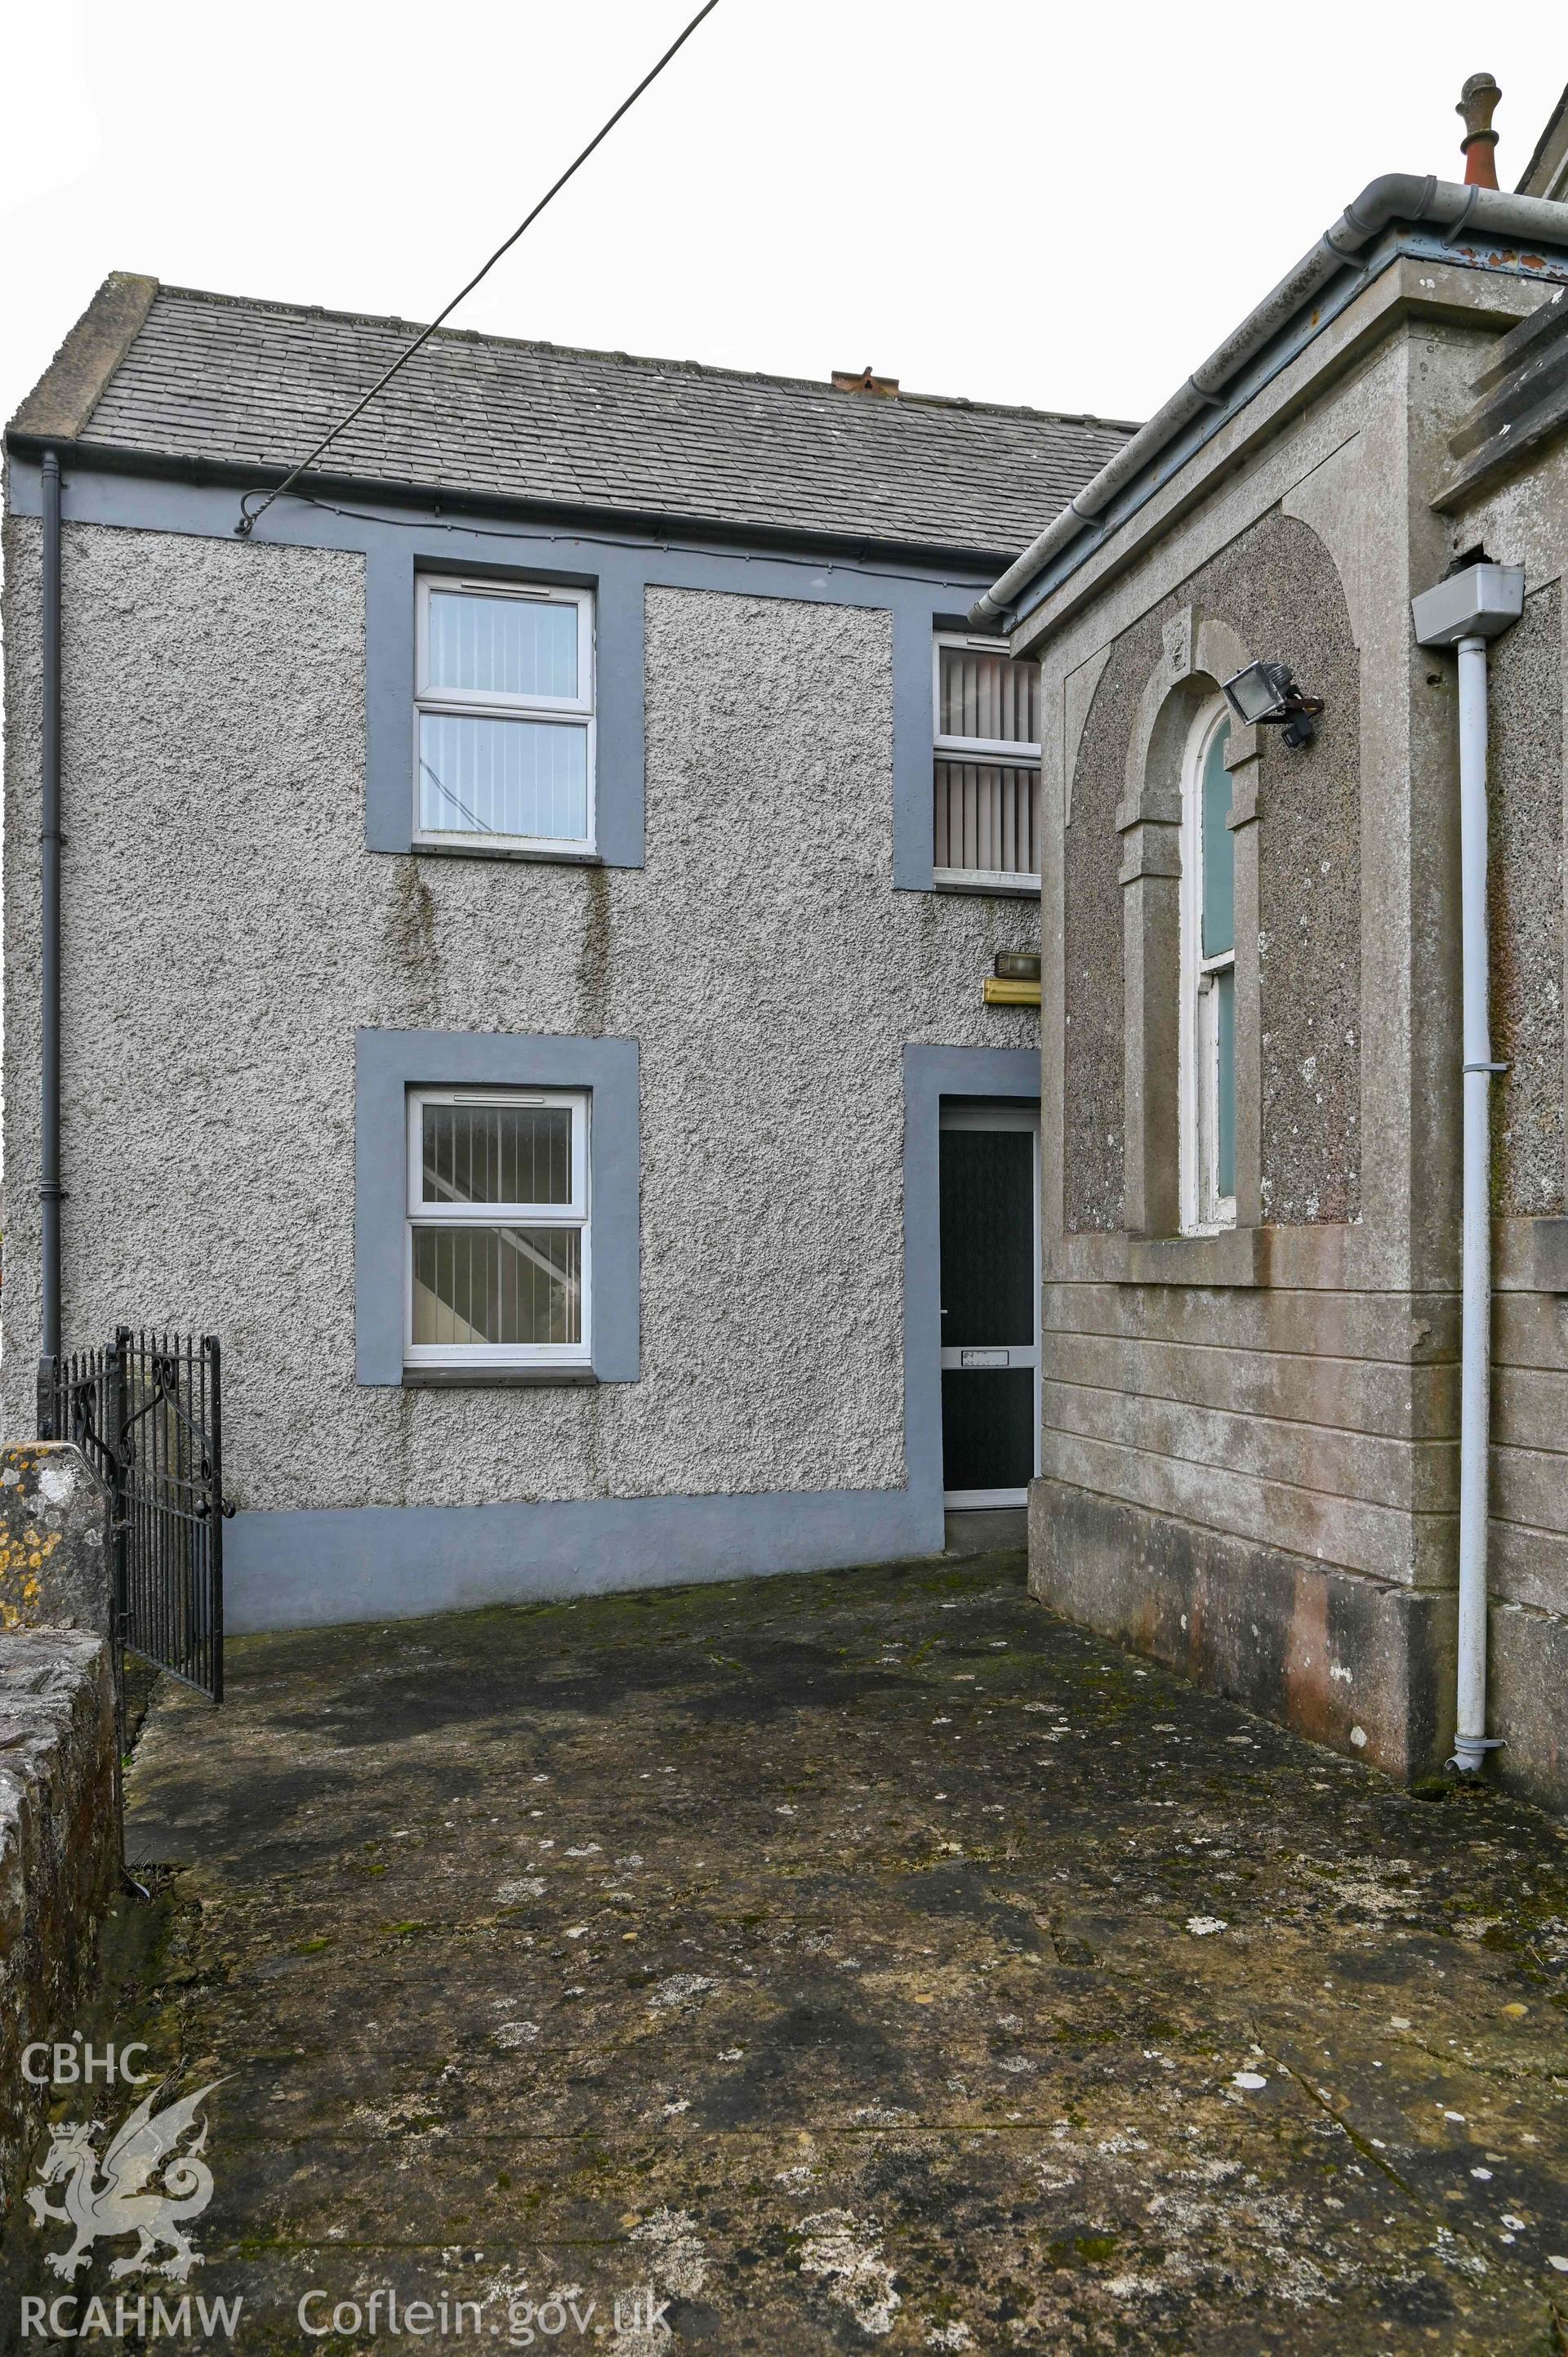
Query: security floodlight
[[1264, 695]]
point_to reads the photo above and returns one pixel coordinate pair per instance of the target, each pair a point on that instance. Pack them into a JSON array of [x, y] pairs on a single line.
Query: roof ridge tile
[[654, 362]]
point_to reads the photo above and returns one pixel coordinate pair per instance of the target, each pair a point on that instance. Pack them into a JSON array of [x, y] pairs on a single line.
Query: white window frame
[[575, 1214], [488, 704], [1204, 1211], [998, 752]]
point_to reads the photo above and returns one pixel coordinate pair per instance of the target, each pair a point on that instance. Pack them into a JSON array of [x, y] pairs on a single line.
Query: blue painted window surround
[[619, 585], [388, 1065], [399, 544]]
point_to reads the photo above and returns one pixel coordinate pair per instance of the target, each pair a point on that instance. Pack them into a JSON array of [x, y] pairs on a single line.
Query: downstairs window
[[497, 1240]]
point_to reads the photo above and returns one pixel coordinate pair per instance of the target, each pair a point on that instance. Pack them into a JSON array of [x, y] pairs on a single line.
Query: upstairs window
[[498, 1229], [504, 685], [1207, 981], [987, 833]]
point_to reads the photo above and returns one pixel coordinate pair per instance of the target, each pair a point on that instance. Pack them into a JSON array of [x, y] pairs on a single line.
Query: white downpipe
[[1471, 1743], [1473, 603]]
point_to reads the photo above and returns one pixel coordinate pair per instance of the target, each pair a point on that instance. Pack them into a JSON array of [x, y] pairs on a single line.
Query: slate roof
[[222, 382], [1546, 174]]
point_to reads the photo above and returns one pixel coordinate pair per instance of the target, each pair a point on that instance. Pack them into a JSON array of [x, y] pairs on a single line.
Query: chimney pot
[[1477, 104]]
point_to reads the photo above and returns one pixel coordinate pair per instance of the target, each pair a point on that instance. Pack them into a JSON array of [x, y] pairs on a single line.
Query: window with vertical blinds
[[505, 720], [986, 775], [498, 1229]]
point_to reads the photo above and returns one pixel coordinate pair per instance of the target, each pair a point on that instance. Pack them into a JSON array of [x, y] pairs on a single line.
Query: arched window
[[1208, 980]]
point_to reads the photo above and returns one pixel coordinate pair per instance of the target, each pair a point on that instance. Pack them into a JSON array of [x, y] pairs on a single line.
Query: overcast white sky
[[1065, 206]]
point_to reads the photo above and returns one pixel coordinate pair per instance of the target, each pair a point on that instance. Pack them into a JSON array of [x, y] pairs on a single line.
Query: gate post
[[49, 1399], [114, 1404], [212, 1405]]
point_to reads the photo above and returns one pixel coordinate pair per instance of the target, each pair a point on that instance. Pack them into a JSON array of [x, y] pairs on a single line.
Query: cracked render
[[866, 1960]]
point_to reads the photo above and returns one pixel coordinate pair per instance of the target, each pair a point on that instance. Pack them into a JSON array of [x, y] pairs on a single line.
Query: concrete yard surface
[[866, 1960]]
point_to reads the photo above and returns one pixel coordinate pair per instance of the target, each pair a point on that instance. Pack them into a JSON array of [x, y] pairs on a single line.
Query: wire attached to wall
[[249, 517], [860, 567]]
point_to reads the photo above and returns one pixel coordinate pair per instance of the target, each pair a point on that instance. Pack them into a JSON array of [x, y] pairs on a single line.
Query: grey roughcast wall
[[761, 959], [1274, 585]]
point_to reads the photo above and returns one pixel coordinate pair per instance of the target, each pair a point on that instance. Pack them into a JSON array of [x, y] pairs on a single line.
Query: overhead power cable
[[248, 518]]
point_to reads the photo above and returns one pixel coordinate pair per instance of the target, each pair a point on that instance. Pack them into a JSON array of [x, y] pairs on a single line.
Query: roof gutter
[[443, 508], [1397, 196]]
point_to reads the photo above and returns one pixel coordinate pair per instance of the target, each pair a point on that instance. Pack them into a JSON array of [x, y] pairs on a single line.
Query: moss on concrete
[[857, 1960]]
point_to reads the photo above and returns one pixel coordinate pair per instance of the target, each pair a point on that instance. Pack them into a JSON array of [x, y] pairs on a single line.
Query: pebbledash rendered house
[[535, 922]]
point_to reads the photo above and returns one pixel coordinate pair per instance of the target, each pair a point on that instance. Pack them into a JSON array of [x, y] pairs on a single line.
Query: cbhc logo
[[76, 2063]]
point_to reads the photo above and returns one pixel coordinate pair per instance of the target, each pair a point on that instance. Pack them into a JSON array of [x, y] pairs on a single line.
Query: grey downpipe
[[50, 957], [1397, 196]]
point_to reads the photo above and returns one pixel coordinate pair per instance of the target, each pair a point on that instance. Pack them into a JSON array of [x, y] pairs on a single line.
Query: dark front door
[[990, 1290]]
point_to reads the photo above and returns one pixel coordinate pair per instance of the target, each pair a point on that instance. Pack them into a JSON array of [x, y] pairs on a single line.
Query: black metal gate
[[146, 1410]]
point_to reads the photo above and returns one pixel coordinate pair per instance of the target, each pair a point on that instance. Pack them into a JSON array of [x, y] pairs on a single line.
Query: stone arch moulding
[[1198, 653]]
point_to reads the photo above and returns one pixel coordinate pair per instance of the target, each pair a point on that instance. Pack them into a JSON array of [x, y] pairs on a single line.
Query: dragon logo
[[116, 2195]]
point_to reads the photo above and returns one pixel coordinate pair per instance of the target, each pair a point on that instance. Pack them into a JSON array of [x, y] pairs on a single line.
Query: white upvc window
[[1208, 980], [504, 717], [497, 1266], [986, 717]]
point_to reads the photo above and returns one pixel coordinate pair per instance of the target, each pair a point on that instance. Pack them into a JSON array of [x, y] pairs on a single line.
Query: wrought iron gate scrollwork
[[146, 1410]]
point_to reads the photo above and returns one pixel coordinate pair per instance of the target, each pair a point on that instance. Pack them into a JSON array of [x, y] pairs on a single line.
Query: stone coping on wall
[[54, 1540]]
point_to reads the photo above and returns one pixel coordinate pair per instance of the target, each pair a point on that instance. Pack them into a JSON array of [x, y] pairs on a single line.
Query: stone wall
[[60, 1829], [1280, 590], [1249, 1456], [1248, 1461], [1218, 1416], [1093, 1139], [1525, 890], [1521, 518]]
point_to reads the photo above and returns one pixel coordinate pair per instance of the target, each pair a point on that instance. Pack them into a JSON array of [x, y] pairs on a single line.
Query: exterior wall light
[[1015, 981], [1264, 695]]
